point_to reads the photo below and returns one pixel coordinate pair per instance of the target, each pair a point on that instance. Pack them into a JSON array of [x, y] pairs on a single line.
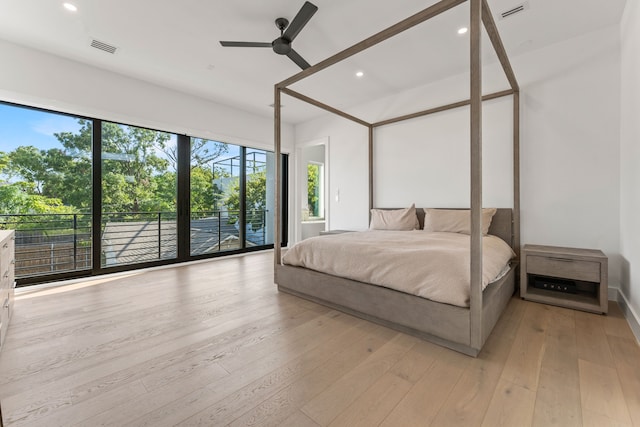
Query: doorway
[[312, 188]]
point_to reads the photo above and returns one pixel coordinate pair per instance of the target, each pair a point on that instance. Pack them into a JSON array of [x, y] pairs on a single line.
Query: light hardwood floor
[[215, 344]]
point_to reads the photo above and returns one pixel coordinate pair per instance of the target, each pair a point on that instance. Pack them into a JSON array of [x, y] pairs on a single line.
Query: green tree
[[130, 162], [28, 208], [202, 189], [71, 180], [313, 189], [256, 195], [138, 171], [203, 152], [30, 165]]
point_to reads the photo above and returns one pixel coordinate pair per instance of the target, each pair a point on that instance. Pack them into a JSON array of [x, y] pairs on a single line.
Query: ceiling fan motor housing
[[281, 45]]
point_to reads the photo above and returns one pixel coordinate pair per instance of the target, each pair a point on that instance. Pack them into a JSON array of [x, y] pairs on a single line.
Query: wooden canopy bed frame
[[462, 329]]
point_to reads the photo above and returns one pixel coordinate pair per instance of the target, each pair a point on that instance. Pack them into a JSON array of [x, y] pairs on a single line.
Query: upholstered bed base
[[443, 324]]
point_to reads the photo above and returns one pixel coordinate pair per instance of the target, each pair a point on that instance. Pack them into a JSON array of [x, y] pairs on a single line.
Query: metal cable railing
[[57, 243]]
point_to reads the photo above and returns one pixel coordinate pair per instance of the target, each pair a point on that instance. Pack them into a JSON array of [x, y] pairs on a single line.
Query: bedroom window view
[[315, 190], [260, 195], [139, 170], [47, 195], [46, 189], [215, 178], [222, 175]]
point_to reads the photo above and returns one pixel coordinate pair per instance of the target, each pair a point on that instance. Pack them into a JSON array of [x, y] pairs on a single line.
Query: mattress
[[432, 265]]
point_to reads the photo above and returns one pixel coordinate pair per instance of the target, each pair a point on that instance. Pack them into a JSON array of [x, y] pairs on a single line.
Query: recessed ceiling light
[[70, 7], [463, 30], [359, 74]]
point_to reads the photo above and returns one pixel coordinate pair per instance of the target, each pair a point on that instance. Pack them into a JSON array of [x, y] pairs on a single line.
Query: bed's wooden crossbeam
[[480, 15]]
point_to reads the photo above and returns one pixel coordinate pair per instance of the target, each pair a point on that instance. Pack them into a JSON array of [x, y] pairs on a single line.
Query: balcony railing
[[58, 243]]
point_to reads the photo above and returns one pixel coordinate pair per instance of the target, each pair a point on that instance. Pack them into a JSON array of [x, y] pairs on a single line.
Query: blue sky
[[23, 126]]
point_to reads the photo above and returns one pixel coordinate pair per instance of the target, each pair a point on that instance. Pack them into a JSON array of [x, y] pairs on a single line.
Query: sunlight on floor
[[53, 288]]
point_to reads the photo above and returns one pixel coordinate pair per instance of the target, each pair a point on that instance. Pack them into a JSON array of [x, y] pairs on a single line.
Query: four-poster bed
[[463, 329]]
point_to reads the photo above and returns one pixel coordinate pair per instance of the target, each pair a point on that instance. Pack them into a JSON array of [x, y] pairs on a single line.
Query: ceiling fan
[[288, 32]]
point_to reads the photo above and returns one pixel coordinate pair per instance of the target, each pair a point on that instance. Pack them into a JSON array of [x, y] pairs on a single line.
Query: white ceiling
[[175, 43]]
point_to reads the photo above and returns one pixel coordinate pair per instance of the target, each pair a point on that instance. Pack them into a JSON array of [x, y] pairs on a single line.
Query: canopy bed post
[[370, 169], [496, 41], [476, 175], [516, 174], [278, 182]]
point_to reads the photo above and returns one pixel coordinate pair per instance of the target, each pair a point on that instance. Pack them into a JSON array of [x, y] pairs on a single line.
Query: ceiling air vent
[[514, 10], [103, 46]]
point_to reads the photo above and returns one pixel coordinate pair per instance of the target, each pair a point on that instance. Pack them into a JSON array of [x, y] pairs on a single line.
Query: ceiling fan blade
[[301, 19], [245, 44], [295, 57]]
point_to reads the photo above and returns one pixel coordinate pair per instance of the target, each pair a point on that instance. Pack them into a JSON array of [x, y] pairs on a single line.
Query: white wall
[[569, 148], [38, 79], [348, 180], [630, 158]]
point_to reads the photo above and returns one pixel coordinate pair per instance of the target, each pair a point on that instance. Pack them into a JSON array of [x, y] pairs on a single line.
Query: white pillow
[[394, 219], [455, 220]]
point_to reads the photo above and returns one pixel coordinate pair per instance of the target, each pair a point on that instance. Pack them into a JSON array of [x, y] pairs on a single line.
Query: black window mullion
[[183, 197], [242, 215], [96, 203], [284, 203]]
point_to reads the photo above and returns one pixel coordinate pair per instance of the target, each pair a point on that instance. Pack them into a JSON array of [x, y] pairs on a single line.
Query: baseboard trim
[[612, 294], [629, 313]]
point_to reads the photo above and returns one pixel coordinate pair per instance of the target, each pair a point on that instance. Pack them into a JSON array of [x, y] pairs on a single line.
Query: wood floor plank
[[231, 395], [298, 419], [601, 392], [120, 414], [215, 343], [373, 406], [423, 401], [71, 414], [417, 361], [523, 363], [101, 377], [558, 398], [470, 397], [279, 406], [592, 419], [626, 355], [615, 323], [511, 406], [125, 342], [592, 339], [331, 402]]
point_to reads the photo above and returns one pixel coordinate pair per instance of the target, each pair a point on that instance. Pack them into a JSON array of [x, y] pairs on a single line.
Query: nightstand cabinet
[[7, 283], [567, 277]]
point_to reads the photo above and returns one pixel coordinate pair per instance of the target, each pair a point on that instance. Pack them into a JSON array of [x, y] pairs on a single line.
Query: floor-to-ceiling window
[[139, 175], [46, 189], [214, 197], [88, 196], [260, 195]]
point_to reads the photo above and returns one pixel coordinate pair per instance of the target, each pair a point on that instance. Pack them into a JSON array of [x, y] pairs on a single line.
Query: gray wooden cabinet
[[7, 282], [567, 277]]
